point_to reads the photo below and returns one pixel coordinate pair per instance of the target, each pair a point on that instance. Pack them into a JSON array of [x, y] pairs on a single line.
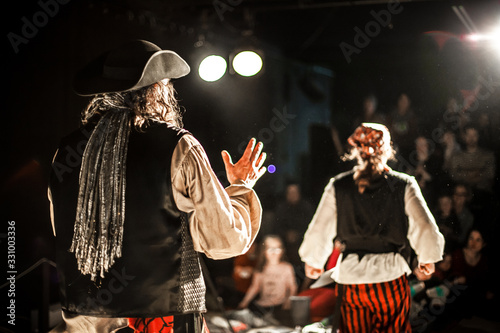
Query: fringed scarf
[[98, 231]]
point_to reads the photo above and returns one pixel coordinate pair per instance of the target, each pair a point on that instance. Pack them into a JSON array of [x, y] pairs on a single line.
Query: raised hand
[[249, 168]]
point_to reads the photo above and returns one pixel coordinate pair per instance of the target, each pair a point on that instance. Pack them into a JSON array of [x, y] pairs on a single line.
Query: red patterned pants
[[376, 307], [192, 323]]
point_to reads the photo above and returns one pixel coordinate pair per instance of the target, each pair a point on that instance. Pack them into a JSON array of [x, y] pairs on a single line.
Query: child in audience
[[273, 281]]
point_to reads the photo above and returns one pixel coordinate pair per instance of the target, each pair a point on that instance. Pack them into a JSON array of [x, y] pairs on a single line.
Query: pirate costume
[[131, 209], [378, 223]]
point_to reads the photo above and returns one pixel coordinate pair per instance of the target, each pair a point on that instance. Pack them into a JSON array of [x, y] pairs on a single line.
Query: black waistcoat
[[159, 272], [373, 221]]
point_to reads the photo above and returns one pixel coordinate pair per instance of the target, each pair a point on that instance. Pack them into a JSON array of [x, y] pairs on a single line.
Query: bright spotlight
[[495, 38], [491, 39], [247, 63], [476, 37], [212, 68]]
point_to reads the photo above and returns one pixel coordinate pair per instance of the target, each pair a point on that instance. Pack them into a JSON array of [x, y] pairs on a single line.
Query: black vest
[[374, 221], [159, 273]]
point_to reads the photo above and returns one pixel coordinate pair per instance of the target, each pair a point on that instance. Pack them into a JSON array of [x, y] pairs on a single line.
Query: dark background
[[305, 73]]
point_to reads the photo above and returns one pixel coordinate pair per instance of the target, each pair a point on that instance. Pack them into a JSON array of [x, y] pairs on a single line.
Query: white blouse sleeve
[[423, 232], [317, 245], [223, 222]]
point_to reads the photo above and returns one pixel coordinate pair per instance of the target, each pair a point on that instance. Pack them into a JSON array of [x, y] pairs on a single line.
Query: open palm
[[250, 166]]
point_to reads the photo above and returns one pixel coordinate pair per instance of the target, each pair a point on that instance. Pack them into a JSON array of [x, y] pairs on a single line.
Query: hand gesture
[[249, 168], [313, 273], [427, 269]]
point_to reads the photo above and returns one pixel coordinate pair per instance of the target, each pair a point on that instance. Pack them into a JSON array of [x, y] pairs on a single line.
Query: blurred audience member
[[471, 269], [443, 268], [243, 268], [292, 217], [447, 221], [403, 126], [273, 282], [488, 135], [454, 117], [469, 264], [461, 197], [370, 113], [474, 166], [449, 147], [426, 167]]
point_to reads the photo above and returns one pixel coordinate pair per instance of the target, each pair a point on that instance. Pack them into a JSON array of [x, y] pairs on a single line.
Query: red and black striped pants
[[376, 307], [189, 323]]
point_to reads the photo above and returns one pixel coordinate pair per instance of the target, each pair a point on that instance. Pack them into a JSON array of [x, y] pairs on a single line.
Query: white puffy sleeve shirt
[[423, 235], [223, 221]]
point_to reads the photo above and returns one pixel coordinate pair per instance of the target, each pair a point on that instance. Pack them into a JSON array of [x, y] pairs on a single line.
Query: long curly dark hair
[[155, 102]]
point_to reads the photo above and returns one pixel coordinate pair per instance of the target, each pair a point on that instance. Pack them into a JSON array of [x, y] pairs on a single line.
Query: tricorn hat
[[132, 65]]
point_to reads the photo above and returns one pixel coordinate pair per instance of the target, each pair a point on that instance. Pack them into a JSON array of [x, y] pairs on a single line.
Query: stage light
[[495, 39], [247, 63], [490, 39], [475, 37], [212, 68], [271, 168]]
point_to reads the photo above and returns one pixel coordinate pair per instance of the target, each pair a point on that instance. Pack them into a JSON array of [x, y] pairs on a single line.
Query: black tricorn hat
[[133, 65]]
